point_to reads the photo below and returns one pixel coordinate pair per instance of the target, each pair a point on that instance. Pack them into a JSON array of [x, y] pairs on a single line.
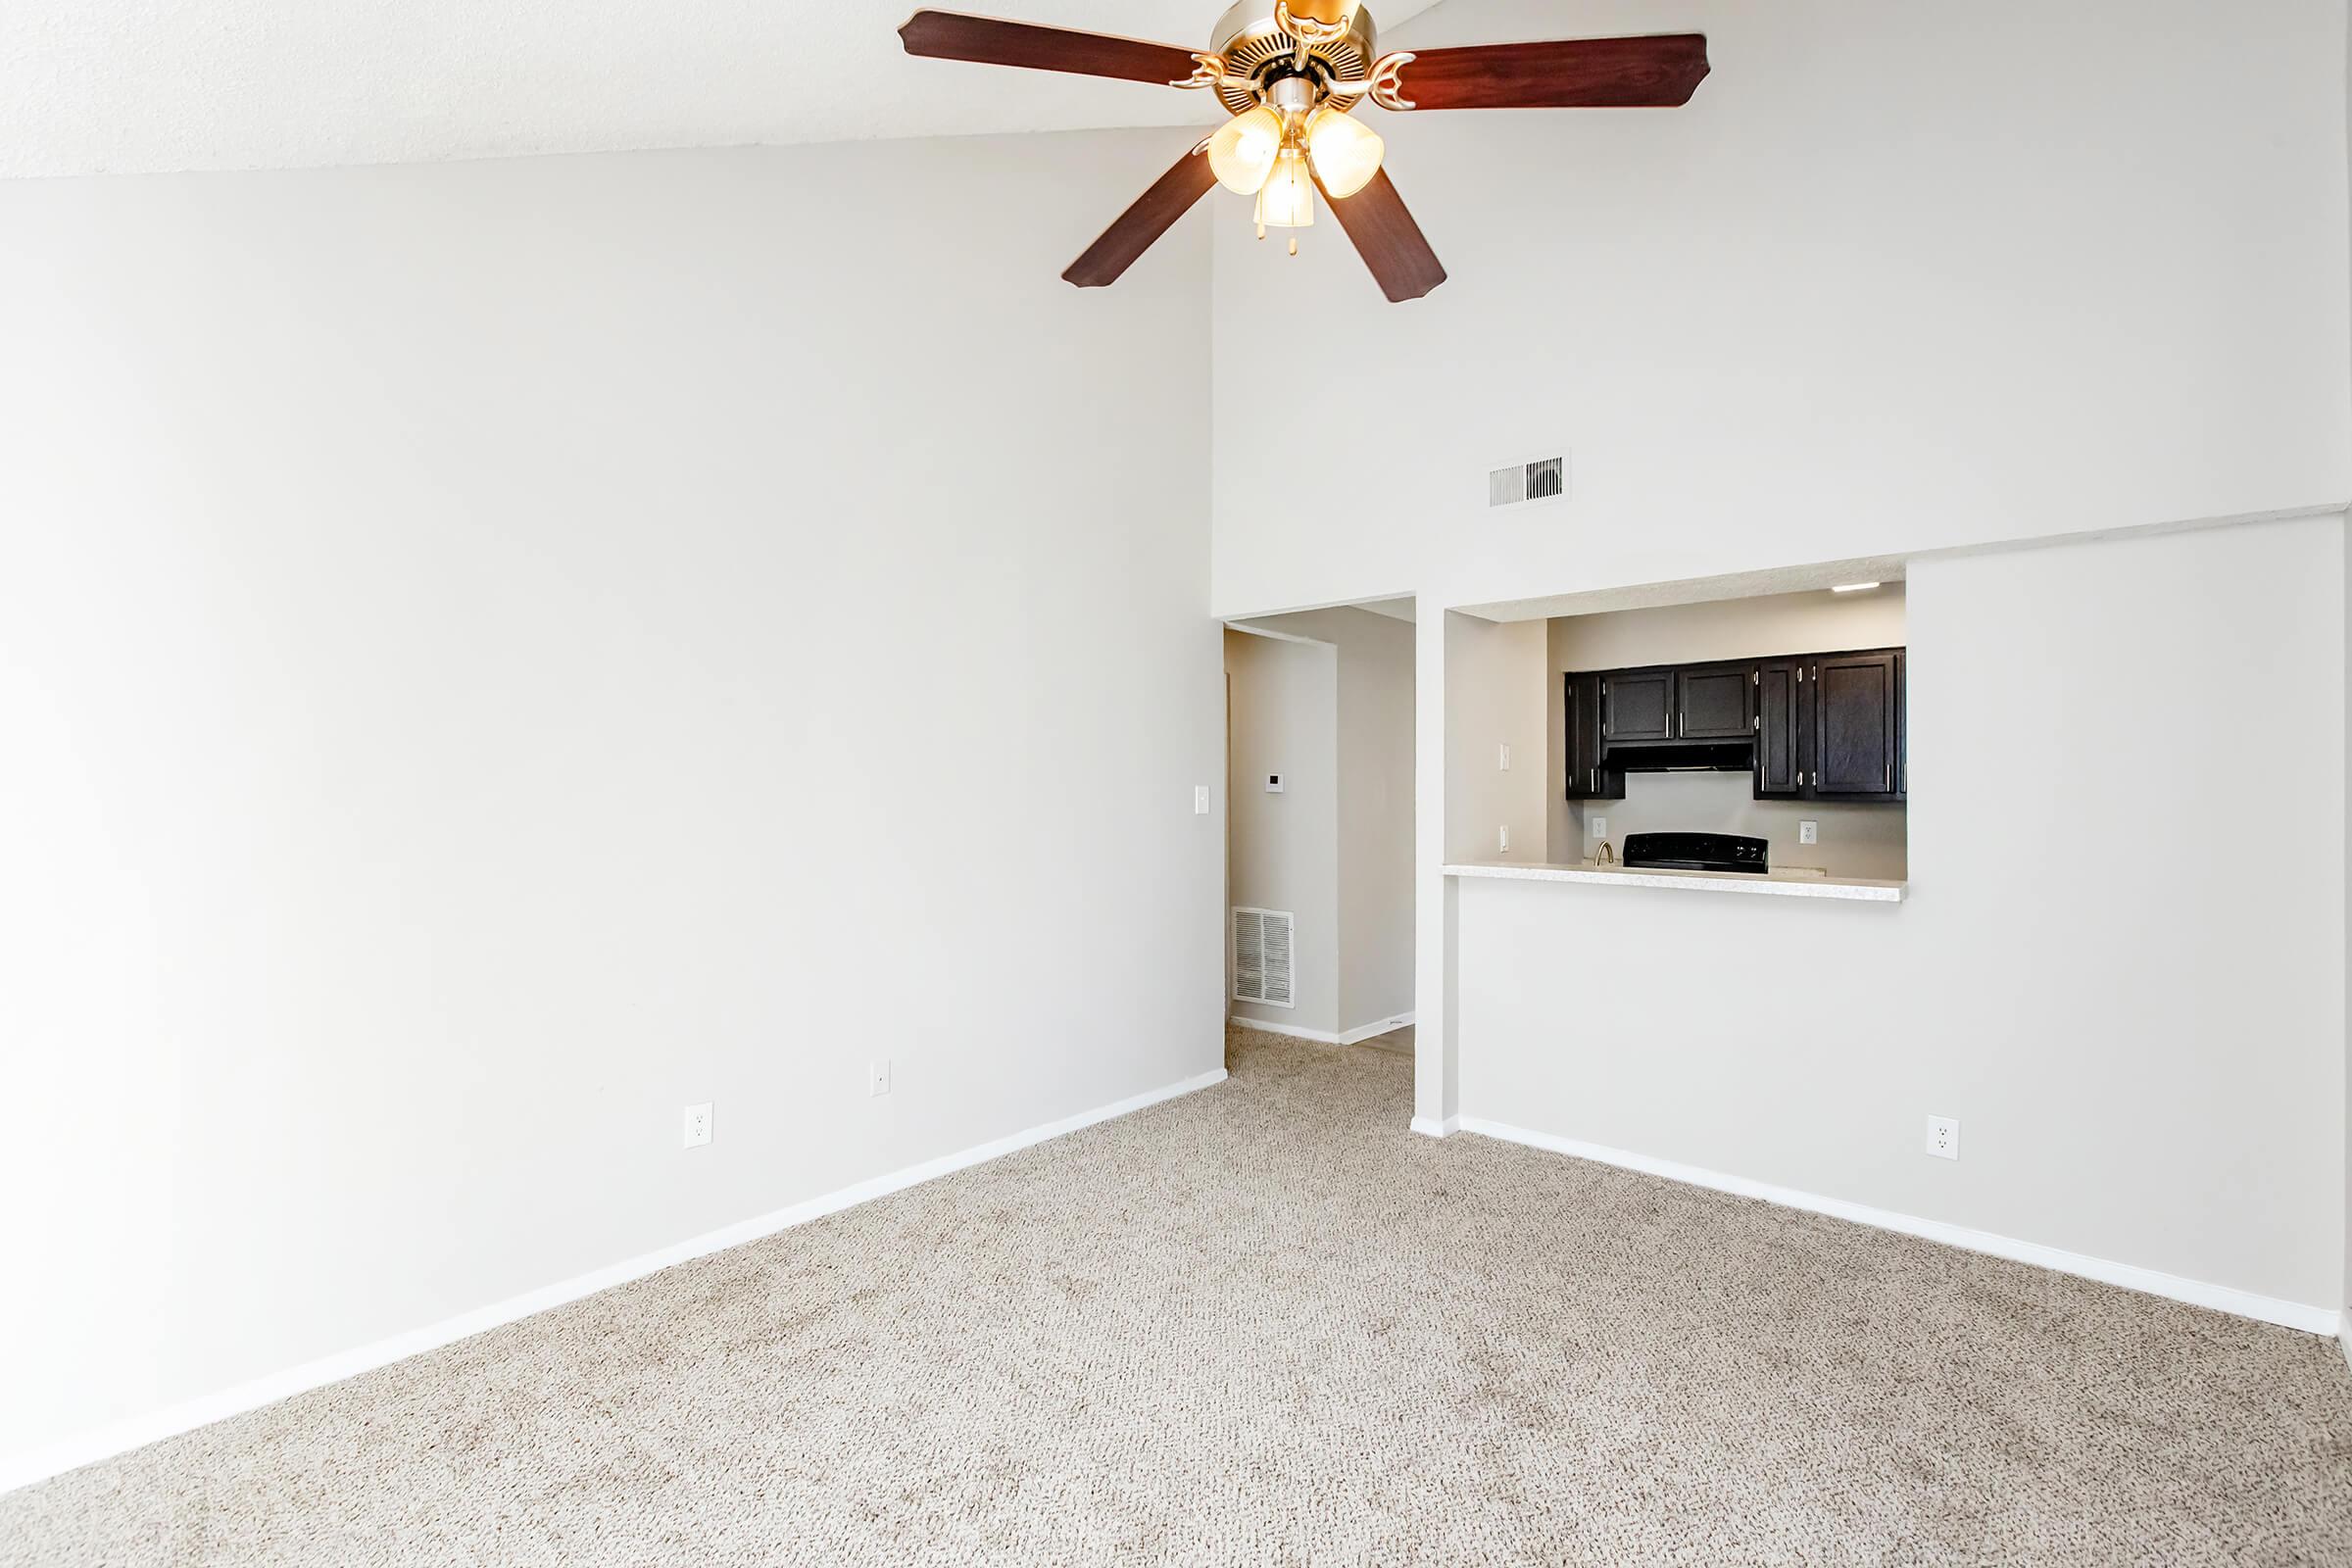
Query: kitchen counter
[[1787, 884]]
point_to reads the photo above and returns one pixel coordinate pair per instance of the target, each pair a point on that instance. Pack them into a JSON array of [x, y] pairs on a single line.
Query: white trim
[[1373, 1031], [24, 1468], [1786, 884], [2196, 1293], [1272, 635], [1436, 1129], [1321, 1037]]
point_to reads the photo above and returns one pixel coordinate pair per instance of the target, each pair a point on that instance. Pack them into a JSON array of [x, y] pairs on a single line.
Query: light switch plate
[[877, 1077], [1200, 800], [1503, 758]]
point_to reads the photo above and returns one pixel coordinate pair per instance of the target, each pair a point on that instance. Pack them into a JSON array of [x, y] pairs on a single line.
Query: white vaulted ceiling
[[92, 86]]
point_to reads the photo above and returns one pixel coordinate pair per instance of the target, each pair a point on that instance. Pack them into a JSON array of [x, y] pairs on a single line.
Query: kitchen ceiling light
[[1853, 587]]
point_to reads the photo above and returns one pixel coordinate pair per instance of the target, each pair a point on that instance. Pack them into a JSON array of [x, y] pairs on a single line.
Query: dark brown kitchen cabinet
[[1586, 779], [1805, 726], [1636, 705], [1710, 703], [1779, 734], [1856, 702]]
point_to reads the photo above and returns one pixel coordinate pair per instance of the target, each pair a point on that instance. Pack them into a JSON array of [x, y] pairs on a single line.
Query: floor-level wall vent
[[1262, 956]]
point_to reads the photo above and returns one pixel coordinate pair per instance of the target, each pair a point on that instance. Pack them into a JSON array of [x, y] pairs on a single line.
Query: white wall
[[1494, 695], [1284, 717], [493, 652], [1890, 284], [2344, 1334], [2126, 980], [1895, 279], [1375, 779], [1855, 841]]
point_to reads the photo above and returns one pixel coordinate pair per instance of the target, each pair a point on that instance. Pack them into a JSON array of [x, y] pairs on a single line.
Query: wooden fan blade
[[953, 36], [1653, 73], [1385, 236], [1134, 231]]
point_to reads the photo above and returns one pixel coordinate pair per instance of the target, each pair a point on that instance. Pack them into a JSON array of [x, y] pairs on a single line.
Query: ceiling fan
[[1293, 72]]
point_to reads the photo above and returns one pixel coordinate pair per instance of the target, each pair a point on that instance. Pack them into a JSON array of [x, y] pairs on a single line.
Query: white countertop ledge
[[1773, 884]]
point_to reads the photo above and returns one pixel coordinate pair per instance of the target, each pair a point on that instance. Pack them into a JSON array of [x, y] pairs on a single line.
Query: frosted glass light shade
[[1242, 150], [1287, 198], [1345, 152]]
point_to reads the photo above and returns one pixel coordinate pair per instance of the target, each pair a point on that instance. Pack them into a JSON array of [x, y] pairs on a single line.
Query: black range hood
[[1685, 757]]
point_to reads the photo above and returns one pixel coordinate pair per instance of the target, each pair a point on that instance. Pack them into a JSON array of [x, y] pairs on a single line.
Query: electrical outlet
[[1200, 800], [1503, 759], [1502, 839], [877, 1077], [1808, 832], [1944, 1137], [1599, 826], [698, 1125]]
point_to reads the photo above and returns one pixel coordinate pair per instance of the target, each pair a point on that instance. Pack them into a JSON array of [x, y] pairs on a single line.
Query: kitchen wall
[[2130, 990], [1374, 780], [1855, 841], [1494, 697], [1284, 853], [494, 652]]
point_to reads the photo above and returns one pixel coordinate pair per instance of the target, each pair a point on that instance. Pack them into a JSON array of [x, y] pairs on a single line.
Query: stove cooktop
[[1696, 851]]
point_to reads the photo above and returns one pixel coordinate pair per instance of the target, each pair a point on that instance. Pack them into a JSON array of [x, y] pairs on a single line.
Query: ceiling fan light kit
[[1293, 74]]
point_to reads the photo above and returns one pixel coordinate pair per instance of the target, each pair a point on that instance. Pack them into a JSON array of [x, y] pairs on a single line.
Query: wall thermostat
[[1273, 783]]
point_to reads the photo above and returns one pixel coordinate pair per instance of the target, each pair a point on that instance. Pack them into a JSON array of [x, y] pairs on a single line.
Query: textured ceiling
[[93, 86]]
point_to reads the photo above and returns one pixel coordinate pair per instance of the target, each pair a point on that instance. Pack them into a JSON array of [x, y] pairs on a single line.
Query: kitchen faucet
[[1604, 856]]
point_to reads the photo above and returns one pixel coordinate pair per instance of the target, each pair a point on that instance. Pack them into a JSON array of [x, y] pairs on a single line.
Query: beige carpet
[[1266, 1324]]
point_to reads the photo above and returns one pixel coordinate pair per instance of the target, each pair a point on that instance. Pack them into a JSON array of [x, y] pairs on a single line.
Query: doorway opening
[[1319, 824]]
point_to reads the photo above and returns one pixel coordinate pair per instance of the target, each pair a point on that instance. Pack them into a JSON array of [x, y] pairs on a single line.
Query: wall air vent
[[1262, 956], [1538, 479]]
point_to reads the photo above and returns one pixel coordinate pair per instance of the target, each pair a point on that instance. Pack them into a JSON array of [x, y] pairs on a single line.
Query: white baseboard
[[1373, 1031], [1429, 1128], [2196, 1293], [1326, 1037], [1321, 1037], [25, 1467]]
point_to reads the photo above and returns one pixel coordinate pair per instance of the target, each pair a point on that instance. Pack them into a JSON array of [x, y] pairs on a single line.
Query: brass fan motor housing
[[1255, 46]]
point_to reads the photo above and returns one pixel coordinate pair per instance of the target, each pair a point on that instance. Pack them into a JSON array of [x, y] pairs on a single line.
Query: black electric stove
[[1695, 852]]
